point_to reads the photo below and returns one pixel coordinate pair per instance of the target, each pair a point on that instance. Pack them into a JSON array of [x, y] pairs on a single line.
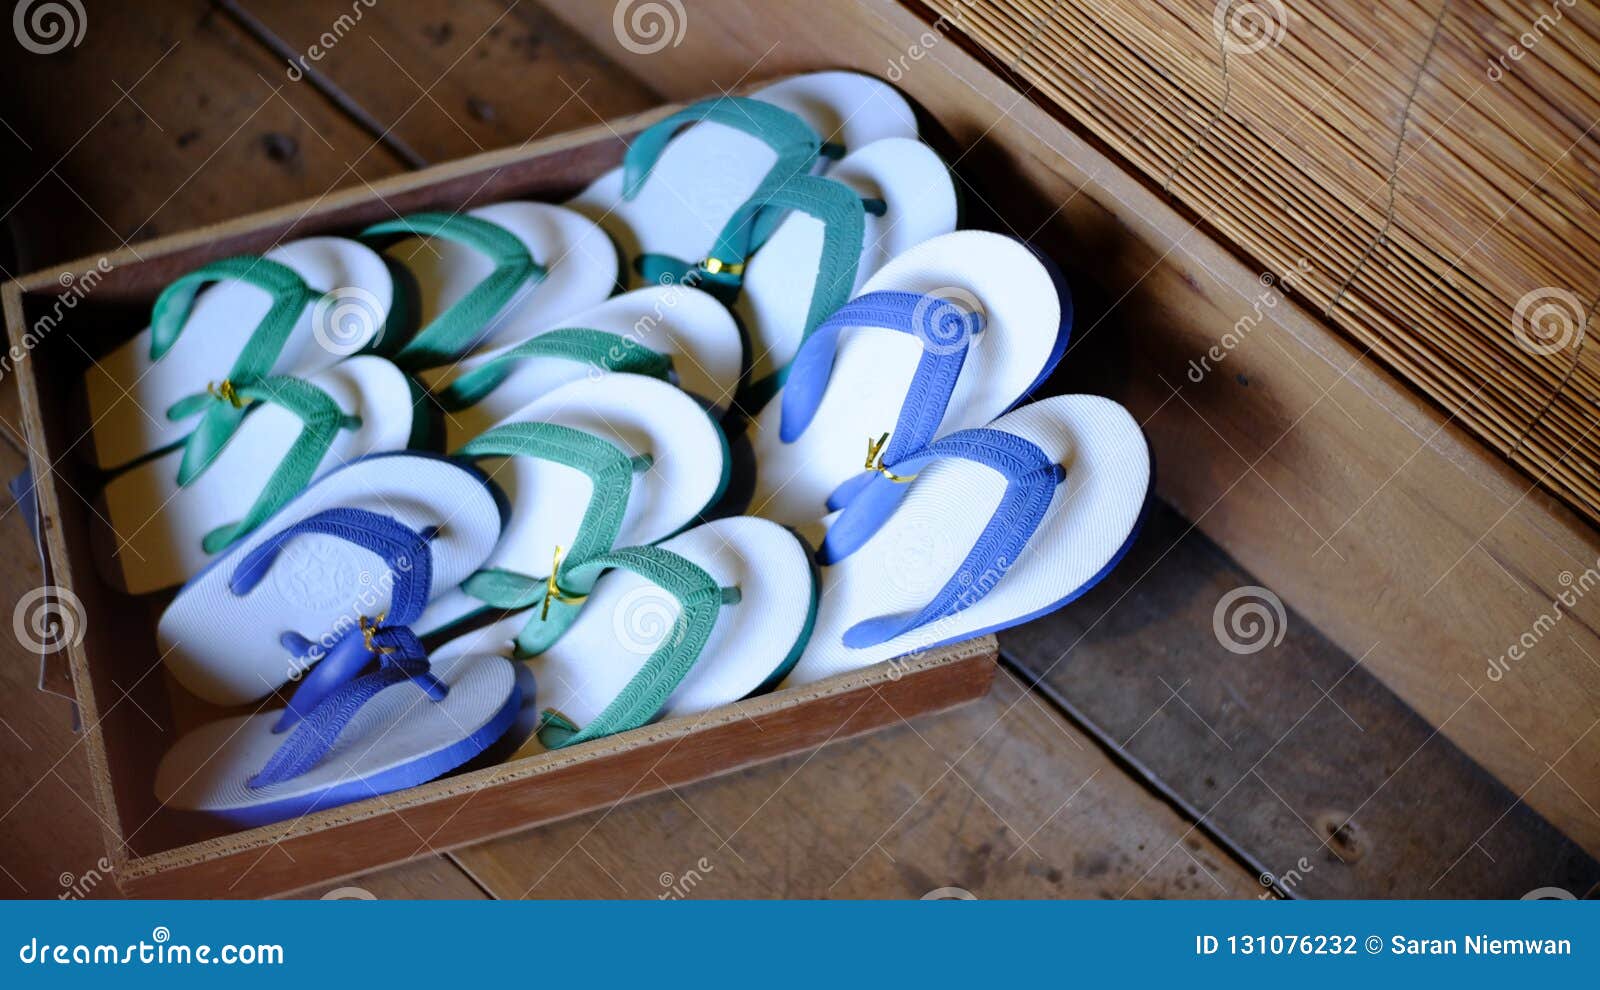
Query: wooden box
[[131, 710]]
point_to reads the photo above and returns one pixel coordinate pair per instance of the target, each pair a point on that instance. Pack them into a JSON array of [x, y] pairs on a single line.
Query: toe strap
[[795, 143], [404, 551], [945, 331], [331, 695], [321, 420], [409, 559], [611, 471], [290, 296], [700, 600], [595, 348], [1031, 481], [459, 327], [317, 733]]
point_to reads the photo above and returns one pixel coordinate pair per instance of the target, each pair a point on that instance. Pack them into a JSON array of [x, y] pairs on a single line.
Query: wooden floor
[[1124, 752]]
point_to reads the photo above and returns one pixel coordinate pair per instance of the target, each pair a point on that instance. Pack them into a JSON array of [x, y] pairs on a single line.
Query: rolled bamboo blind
[[1427, 172]]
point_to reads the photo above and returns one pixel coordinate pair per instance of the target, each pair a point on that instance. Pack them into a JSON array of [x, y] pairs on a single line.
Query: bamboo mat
[[1423, 174]]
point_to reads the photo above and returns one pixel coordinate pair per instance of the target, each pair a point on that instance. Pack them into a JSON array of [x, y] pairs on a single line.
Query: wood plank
[[1001, 799], [1290, 747], [149, 125], [1363, 506], [457, 77], [433, 878]]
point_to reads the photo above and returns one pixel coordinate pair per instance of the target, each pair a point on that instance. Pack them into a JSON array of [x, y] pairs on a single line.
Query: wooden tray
[[132, 711]]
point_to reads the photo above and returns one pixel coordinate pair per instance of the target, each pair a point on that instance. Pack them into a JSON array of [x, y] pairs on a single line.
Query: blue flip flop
[[983, 529], [374, 716], [947, 336]]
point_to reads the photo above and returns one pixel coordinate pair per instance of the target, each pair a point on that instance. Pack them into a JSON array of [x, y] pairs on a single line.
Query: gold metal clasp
[[225, 390], [875, 461], [717, 266], [552, 591], [369, 628]]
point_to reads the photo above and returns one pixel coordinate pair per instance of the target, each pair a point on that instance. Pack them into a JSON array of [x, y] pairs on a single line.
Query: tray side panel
[[628, 766]]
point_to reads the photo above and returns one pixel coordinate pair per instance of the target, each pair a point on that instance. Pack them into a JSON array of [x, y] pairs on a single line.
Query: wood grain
[[1283, 743], [150, 125], [48, 822], [1002, 799], [432, 878], [1360, 504], [461, 76]]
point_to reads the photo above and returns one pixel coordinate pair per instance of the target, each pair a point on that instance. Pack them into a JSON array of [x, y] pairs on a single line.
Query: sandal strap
[[1031, 480], [945, 331], [401, 659], [407, 556], [316, 409], [843, 215], [404, 551], [797, 147], [700, 599], [722, 284], [721, 274], [290, 296], [596, 348], [459, 327], [610, 469], [791, 137]]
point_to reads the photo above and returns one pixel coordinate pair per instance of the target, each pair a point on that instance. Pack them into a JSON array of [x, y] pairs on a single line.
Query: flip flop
[[919, 202], [1001, 524], [491, 273], [255, 450], [713, 615], [230, 638], [296, 310], [947, 336], [683, 178], [615, 460], [674, 332], [405, 722]]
